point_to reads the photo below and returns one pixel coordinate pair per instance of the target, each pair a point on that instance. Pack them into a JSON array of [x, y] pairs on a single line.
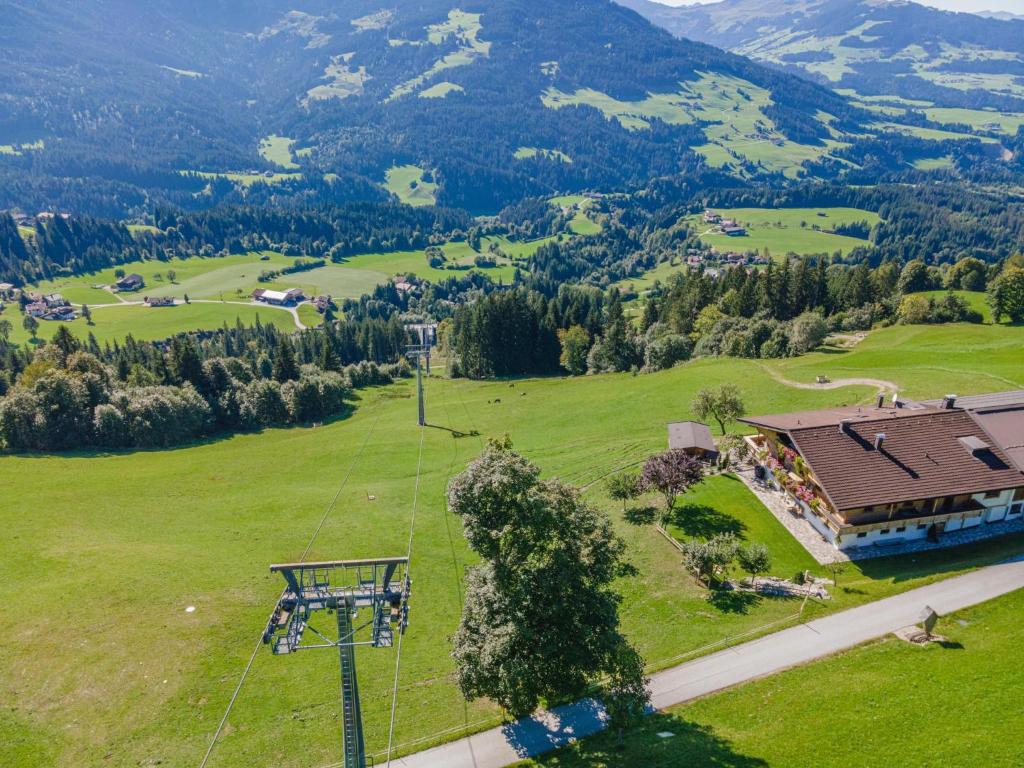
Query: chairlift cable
[[305, 553], [398, 652]]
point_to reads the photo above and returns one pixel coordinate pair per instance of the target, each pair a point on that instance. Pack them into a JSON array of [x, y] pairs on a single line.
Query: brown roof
[[690, 434], [921, 457], [1006, 428], [786, 422]]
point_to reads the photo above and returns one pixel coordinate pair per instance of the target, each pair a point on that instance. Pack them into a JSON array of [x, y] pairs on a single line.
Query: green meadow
[[407, 184], [108, 560], [803, 231], [778, 721], [978, 119], [113, 323], [278, 150]]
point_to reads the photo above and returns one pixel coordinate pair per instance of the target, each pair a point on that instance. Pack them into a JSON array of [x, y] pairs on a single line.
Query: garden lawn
[[787, 230], [722, 504], [957, 702], [106, 551]]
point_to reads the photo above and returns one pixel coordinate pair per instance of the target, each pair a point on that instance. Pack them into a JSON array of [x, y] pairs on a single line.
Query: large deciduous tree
[[1006, 295], [540, 619]]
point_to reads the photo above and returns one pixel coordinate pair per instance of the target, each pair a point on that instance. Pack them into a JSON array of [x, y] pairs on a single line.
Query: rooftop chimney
[[844, 426], [948, 402], [881, 399], [879, 440]]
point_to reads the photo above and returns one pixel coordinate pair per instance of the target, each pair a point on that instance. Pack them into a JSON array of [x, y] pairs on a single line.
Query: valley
[[585, 383]]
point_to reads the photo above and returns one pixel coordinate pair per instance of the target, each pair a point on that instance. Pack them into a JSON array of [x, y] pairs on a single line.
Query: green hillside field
[[777, 721], [107, 560], [787, 230]]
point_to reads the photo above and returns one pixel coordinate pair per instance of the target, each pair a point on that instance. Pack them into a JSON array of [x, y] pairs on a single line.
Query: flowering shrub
[[804, 494]]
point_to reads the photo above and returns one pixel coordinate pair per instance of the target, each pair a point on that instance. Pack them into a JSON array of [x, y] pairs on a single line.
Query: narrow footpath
[[773, 653]]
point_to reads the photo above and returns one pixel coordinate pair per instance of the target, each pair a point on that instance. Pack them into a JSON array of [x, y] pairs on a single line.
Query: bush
[[666, 351]]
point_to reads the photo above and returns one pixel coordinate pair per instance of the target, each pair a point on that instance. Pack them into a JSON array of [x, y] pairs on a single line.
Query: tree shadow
[[704, 522], [951, 645], [454, 432], [651, 745], [733, 601], [640, 515]]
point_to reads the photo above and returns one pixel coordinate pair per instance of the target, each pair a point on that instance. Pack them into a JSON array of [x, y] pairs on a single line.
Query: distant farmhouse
[[694, 438], [51, 306], [288, 298], [158, 301], [898, 471], [132, 282]]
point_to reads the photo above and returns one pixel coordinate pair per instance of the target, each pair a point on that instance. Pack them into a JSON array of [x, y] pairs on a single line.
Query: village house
[[278, 298], [403, 286], [734, 230], [158, 301], [132, 282], [322, 303], [7, 290], [710, 217], [694, 438], [898, 471]]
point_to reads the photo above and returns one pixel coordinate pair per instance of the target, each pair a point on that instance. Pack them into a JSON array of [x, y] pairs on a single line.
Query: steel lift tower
[[378, 588], [420, 352]]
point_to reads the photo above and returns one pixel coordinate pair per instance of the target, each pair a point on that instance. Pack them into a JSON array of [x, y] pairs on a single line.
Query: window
[[993, 494], [922, 526], [862, 534], [884, 532], [901, 529]]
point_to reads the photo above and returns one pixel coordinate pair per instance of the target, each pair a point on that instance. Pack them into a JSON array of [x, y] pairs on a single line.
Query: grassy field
[[278, 149], [739, 131], [944, 163], [787, 230], [976, 300], [407, 184], [113, 323], [1005, 122], [141, 536], [440, 90], [931, 134], [778, 721], [923, 359], [527, 153], [233, 279]]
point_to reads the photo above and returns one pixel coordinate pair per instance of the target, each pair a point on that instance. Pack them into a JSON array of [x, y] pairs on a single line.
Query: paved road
[[805, 642]]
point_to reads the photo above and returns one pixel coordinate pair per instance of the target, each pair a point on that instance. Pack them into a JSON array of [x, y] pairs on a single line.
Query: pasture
[[778, 721], [803, 231], [440, 90], [978, 119], [278, 150], [739, 131], [114, 322], [141, 536], [407, 184]]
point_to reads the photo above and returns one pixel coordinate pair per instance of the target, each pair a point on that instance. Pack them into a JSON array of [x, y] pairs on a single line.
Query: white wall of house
[[911, 532]]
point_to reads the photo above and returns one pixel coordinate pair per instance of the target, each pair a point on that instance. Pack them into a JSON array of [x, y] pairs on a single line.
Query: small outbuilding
[[694, 438]]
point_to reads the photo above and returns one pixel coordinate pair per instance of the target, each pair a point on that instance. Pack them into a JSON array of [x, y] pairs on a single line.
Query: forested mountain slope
[[113, 106], [875, 48]]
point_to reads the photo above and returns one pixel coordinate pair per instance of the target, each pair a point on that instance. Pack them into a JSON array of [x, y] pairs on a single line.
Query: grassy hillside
[[114, 554], [777, 721], [803, 231]]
